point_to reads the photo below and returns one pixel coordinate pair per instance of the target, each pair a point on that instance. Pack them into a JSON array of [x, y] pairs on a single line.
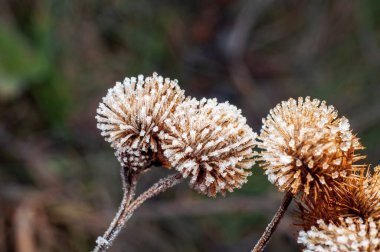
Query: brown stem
[[129, 180], [161, 186], [260, 245], [126, 210]]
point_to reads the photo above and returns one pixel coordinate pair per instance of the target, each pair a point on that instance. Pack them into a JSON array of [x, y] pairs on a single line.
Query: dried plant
[[361, 198], [358, 197], [211, 143], [130, 118], [132, 114], [148, 121], [306, 151], [306, 147], [358, 202], [348, 235]]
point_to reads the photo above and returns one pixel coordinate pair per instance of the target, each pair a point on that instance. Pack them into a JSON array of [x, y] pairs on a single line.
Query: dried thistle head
[[356, 197], [309, 212], [361, 197], [306, 147], [348, 235], [211, 143], [131, 116]]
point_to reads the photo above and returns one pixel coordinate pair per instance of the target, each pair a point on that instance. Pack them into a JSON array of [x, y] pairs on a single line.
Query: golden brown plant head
[[310, 211], [211, 143], [356, 197], [131, 115], [306, 147], [361, 197], [349, 235]]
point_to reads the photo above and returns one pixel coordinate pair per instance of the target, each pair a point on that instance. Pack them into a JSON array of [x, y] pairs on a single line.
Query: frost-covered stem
[[103, 243], [129, 180], [161, 186], [260, 245]]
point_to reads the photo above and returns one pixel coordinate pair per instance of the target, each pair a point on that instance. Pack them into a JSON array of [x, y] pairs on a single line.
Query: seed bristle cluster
[[211, 143], [306, 147], [132, 113], [361, 198], [357, 202], [348, 235]]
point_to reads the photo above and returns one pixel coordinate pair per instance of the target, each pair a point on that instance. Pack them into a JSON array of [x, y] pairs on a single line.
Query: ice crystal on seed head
[[306, 147], [349, 235], [131, 115], [211, 143]]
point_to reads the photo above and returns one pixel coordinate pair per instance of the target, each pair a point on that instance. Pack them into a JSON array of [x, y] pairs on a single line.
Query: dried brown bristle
[[357, 197]]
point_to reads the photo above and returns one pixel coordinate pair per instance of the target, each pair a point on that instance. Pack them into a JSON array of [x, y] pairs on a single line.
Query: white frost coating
[[217, 140], [285, 159], [348, 235], [101, 241], [132, 113], [135, 111]]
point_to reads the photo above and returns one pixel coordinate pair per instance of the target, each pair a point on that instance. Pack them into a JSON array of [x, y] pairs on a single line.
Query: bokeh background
[[59, 181]]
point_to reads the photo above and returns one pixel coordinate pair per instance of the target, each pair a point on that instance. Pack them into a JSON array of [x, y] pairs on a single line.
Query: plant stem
[[126, 210], [161, 186], [260, 245], [129, 180]]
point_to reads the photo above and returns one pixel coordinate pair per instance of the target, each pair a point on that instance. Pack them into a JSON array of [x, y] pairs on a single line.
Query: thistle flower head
[[356, 197], [348, 235], [306, 147], [361, 197], [211, 143], [132, 113], [310, 211]]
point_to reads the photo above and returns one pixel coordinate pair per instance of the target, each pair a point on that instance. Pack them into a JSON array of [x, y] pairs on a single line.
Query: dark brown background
[[59, 181]]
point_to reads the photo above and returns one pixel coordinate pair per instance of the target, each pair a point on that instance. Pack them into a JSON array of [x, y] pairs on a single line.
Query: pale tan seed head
[[348, 235], [132, 113], [306, 147], [211, 143]]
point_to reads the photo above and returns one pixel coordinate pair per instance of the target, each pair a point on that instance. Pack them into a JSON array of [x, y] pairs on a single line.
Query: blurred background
[[59, 180]]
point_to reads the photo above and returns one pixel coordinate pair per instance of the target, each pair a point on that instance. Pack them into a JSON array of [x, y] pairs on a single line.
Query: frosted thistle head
[[348, 235], [131, 116], [211, 143], [306, 147]]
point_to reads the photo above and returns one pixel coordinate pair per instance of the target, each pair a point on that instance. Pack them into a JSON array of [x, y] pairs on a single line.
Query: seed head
[[361, 198], [306, 147], [211, 143], [349, 235], [356, 197], [132, 113]]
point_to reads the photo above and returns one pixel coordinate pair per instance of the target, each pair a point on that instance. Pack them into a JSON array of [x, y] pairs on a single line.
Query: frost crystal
[[211, 143], [306, 147], [349, 235], [101, 241]]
